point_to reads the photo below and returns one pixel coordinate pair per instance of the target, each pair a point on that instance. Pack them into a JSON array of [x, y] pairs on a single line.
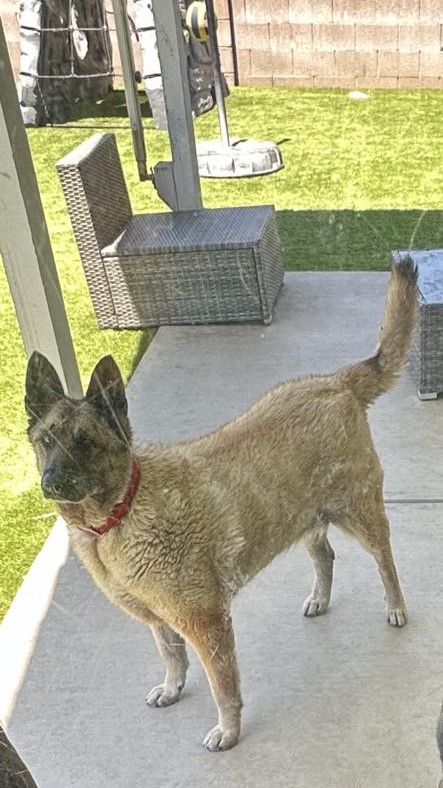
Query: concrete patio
[[342, 701]]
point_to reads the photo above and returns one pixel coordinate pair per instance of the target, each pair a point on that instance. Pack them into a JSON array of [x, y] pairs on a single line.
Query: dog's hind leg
[[370, 526], [396, 613], [316, 542], [172, 649]]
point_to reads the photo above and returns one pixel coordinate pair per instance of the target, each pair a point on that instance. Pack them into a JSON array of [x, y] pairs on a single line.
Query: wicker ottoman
[[210, 266], [427, 348]]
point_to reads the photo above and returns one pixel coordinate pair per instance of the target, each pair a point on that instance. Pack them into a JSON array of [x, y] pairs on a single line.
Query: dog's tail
[[372, 377]]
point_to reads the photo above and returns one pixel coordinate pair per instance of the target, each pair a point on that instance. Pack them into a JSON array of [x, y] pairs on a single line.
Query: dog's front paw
[[220, 739], [163, 696], [315, 606], [396, 616]]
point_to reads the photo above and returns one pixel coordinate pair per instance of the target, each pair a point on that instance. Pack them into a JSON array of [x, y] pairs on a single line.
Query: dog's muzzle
[[61, 486]]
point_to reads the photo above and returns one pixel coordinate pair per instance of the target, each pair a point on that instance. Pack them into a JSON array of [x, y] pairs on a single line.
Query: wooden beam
[[24, 241]]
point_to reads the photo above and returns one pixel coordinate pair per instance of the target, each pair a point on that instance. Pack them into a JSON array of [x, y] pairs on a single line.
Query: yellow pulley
[[197, 20]]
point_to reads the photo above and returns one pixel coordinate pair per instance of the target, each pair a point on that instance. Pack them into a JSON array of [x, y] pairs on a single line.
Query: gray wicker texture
[[269, 273], [98, 205], [103, 185], [207, 266], [171, 232], [426, 358], [177, 288]]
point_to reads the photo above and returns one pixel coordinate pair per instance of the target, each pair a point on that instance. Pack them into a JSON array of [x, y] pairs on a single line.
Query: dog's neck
[[98, 517]]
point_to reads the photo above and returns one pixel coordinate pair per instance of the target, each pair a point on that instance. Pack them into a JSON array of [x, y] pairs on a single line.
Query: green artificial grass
[[360, 178]]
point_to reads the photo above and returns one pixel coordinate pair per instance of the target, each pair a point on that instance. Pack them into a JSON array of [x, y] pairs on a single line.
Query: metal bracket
[[164, 182]]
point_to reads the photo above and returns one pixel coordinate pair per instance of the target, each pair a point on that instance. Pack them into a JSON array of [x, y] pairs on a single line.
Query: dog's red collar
[[120, 509]]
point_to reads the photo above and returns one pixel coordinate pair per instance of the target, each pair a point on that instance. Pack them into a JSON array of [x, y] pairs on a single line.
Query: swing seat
[[175, 268]]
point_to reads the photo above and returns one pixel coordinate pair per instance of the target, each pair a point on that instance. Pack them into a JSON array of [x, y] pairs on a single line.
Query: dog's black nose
[[52, 484]]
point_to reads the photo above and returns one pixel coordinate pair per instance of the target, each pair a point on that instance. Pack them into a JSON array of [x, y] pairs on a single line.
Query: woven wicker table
[[208, 266], [427, 347]]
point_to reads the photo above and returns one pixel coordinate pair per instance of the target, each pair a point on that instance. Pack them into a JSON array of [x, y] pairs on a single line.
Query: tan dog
[[171, 532]]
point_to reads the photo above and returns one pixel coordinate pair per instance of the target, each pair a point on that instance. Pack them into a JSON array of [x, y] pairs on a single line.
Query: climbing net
[[66, 56]]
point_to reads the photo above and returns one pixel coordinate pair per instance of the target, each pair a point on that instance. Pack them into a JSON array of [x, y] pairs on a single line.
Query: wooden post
[[178, 184], [24, 241]]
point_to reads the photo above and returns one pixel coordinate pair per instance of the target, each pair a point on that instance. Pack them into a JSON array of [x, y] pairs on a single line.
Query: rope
[[71, 40], [65, 29]]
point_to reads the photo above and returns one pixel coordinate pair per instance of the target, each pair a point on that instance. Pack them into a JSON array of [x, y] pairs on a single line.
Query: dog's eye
[[47, 439]]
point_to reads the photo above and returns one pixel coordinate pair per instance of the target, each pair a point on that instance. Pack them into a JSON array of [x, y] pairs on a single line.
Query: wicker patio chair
[[208, 266]]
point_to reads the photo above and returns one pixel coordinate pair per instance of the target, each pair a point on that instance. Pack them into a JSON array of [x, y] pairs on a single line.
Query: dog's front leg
[[172, 649], [212, 637], [170, 644]]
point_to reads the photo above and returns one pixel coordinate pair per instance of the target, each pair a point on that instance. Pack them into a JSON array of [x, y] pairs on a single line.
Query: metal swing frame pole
[[216, 71], [177, 182], [131, 92]]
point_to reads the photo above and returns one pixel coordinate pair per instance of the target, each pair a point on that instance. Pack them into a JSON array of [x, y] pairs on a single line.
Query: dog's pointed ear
[[106, 393], [43, 387]]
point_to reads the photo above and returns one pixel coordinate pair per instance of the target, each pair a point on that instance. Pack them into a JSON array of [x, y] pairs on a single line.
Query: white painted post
[[178, 184], [24, 241]]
